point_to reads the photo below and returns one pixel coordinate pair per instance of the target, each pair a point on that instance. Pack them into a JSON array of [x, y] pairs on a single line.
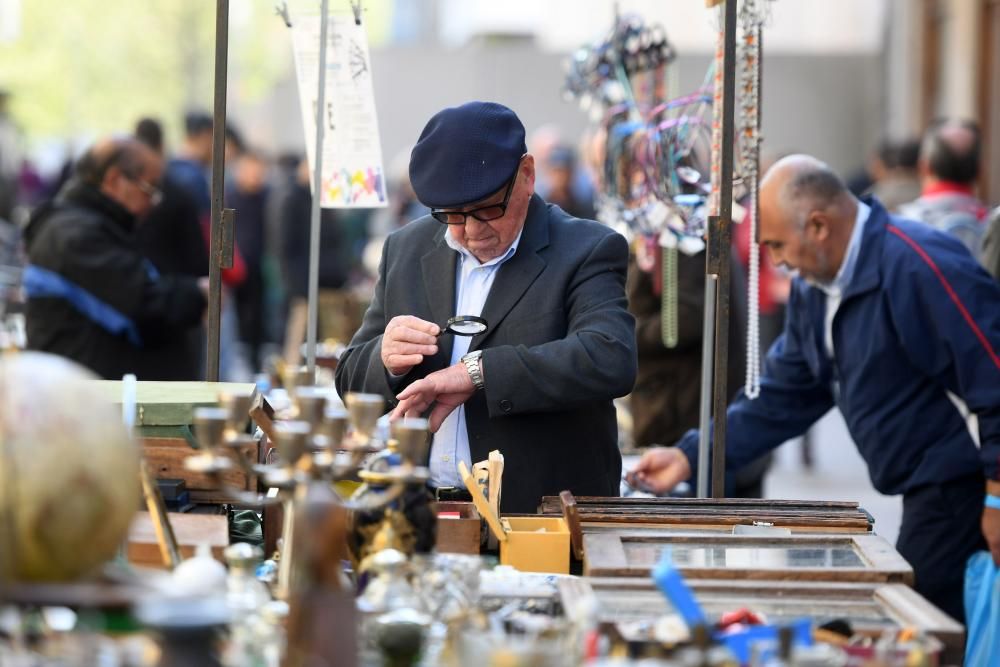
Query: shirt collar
[[464, 252], [846, 272]]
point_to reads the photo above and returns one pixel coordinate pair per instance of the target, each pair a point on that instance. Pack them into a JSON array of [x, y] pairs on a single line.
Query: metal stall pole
[[317, 197], [223, 227], [705, 413], [717, 261]]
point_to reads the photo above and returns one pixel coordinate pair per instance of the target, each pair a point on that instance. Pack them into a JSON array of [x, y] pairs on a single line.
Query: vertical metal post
[[705, 413], [220, 232], [317, 196], [720, 236]]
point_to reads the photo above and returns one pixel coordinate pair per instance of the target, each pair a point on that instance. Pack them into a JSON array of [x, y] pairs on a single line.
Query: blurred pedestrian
[[171, 238], [92, 296], [949, 167]]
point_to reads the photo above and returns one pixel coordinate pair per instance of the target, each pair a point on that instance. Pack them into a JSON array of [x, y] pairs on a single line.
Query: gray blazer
[[560, 347]]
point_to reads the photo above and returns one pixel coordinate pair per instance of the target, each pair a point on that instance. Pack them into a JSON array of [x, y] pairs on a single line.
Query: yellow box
[[536, 544]]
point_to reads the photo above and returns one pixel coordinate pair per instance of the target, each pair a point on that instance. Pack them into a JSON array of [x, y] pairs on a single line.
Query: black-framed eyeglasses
[[483, 213], [154, 193]]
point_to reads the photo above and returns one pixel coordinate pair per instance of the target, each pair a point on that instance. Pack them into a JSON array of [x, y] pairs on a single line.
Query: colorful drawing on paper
[[355, 188]]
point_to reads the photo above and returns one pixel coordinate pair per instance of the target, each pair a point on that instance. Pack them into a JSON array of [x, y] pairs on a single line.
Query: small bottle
[[246, 597]]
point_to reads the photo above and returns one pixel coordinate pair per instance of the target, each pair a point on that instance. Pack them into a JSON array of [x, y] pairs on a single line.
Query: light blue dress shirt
[[473, 282], [844, 275]]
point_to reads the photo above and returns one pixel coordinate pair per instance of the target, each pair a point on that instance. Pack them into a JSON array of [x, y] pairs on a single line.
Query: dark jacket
[[919, 320], [560, 347], [296, 214], [171, 238], [92, 296], [667, 396]]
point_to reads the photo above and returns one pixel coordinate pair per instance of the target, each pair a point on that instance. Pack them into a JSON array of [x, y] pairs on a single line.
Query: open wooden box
[[461, 534]]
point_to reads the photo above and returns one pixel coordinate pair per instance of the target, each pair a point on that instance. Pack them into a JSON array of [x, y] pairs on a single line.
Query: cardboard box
[[528, 543]]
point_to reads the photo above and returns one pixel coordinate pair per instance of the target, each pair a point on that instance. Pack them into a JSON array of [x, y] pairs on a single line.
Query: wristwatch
[[472, 364]]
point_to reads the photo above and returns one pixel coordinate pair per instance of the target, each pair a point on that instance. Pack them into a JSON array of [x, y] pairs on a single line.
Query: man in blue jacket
[[897, 325]]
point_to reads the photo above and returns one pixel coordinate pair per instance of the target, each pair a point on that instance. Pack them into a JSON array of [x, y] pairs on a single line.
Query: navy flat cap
[[466, 153]]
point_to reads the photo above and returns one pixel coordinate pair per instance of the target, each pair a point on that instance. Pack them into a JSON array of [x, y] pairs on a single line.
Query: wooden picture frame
[[718, 514], [633, 605], [831, 557]]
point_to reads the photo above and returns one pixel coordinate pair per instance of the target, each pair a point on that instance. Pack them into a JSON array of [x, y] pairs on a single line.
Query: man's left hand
[[991, 523], [448, 388]]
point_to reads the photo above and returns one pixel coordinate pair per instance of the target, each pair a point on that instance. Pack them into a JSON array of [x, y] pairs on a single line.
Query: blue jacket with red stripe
[[917, 328]]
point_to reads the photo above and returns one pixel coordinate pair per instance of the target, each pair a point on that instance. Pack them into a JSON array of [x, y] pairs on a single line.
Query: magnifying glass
[[465, 325]]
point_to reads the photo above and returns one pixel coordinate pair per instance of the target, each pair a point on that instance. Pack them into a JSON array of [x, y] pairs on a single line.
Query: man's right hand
[[660, 469], [406, 341]]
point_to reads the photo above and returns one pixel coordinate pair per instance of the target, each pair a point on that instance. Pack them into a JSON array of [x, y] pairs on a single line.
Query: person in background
[[171, 238], [190, 169], [91, 295], [991, 245], [335, 302], [562, 175], [247, 192], [539, 384], [10, 159], [894, 169], [894, 323], [949, 167]]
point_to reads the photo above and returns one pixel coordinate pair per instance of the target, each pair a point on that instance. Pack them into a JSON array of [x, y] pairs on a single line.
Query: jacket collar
[[77, 193], [868, 270], [512, 281]]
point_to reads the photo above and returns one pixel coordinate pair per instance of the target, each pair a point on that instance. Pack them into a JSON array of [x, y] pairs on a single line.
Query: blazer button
[[505, 405]]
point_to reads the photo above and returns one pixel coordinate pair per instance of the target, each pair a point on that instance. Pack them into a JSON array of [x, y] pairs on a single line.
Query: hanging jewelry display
[[660, 177]]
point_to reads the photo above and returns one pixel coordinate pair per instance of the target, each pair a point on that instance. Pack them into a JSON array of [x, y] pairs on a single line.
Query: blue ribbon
[[43, 283]]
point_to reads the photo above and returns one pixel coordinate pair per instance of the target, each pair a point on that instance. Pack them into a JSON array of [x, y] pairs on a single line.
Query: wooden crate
[[712, 513], [632, 605], [461, 535], [190, 531], [164, 422], [833, 557]]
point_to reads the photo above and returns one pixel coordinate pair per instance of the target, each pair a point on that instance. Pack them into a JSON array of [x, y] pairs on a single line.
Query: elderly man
[[538, 384], [949, 166], [898, 326], [92, 296]]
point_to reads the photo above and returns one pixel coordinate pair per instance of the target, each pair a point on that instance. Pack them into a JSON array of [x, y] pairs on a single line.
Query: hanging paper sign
[[352, 150]]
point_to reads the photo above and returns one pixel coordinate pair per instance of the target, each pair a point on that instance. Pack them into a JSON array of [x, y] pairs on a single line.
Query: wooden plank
[[919, 613], [751, 557], [165, 458], [664, 527], [190, 530], [552, 503], [262, 415], [171, 403], [883, 557], [606, 551]]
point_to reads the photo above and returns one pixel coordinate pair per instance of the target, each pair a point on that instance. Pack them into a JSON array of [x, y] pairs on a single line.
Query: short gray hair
[[810, 187]]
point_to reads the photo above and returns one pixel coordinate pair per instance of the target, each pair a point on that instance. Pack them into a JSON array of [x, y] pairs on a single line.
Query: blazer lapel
[[438, 267], [517, 274]]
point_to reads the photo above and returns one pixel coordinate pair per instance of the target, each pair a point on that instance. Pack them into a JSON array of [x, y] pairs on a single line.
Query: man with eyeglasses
[[559, 346], [92, 296]]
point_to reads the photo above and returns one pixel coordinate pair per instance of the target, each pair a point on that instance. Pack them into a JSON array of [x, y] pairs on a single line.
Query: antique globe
[[69, 472]]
